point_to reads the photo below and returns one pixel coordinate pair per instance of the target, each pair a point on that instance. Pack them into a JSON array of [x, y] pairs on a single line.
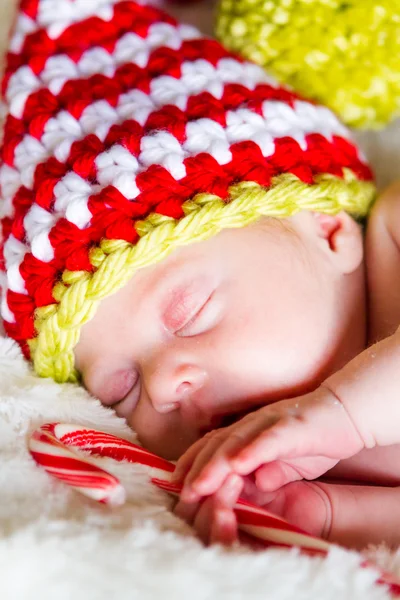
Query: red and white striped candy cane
[[52, 447]]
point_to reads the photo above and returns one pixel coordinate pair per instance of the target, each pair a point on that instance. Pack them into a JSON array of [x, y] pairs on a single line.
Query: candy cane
[[52, 448]]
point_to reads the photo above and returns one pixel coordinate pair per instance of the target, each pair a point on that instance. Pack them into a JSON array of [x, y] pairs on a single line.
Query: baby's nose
[[168, 386]]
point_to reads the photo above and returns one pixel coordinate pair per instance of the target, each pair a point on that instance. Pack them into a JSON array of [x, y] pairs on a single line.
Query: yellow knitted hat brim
[[58, 325]]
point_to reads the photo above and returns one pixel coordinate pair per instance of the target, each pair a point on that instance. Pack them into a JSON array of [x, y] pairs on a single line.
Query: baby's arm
[[382, 249], [369, 383]]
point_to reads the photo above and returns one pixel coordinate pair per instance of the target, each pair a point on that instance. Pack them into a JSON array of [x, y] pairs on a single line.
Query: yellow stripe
[[116, 261]]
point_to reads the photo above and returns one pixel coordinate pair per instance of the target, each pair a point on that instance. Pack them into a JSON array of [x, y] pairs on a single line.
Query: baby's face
[[219, 327]]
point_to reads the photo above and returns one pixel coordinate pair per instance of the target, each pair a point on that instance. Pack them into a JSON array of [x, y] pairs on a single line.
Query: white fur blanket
[[57, 544], [54, 544]]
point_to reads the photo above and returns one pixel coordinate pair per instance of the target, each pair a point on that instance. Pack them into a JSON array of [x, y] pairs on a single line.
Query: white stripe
[[28, 155], [42, 447], [14, 252], [57, 15], [38, 223], [162, 148], [62, 130], [283, 536], [24, 26], [10, 183], [206, 135], [119, 168], [244, 124], [5, 311], [130, 48], [71, 199]]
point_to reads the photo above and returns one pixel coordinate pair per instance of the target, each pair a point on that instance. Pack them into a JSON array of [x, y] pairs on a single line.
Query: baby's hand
[[213, 518], [282, 442]]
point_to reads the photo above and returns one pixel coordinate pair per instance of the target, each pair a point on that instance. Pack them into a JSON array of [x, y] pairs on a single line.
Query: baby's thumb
[[274, 475]]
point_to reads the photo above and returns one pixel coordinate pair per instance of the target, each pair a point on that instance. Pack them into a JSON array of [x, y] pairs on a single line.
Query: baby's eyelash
[[185, 328], [182, 309]]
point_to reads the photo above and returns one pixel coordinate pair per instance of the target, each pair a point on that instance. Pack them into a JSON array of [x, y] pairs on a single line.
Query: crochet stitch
[[345, 54], [128, 135]]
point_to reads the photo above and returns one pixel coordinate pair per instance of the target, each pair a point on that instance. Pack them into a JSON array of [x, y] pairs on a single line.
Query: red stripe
[[50, 427], [264, 519], [167, 486], [78, 94], [45, 438], [30, 8], [325, 157], [64, 462], [89, 33], [128, 133], [96, 482], [124, 451], [82, 437]]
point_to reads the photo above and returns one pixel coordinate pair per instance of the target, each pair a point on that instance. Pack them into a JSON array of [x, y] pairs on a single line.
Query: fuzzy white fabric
[[55, 544]]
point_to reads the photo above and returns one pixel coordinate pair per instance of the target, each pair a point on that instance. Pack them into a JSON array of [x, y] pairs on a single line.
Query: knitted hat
[[343, 53], [128, 135]]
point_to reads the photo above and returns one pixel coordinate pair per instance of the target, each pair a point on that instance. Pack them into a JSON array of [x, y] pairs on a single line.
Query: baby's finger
[[186, 512], [186, 460], [204, 519], [221, 470], [226, 496], [229, 492], [274, 475], [286, 439], [224, 528], [208, 475]]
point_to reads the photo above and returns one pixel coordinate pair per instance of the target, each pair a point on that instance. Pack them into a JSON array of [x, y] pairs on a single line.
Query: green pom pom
[[345, 54]]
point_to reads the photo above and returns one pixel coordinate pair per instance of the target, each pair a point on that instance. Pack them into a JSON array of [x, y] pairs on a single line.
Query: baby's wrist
[[368, 389], [360, 439]]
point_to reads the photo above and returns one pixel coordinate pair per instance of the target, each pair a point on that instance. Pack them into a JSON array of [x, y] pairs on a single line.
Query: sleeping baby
[[185, 238]]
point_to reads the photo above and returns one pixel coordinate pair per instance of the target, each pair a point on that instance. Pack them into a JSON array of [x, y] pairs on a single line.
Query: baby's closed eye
[[193, 310], [183, 307]]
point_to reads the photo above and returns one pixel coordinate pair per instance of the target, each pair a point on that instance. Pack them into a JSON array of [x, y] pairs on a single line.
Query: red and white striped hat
[[126, 135]]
